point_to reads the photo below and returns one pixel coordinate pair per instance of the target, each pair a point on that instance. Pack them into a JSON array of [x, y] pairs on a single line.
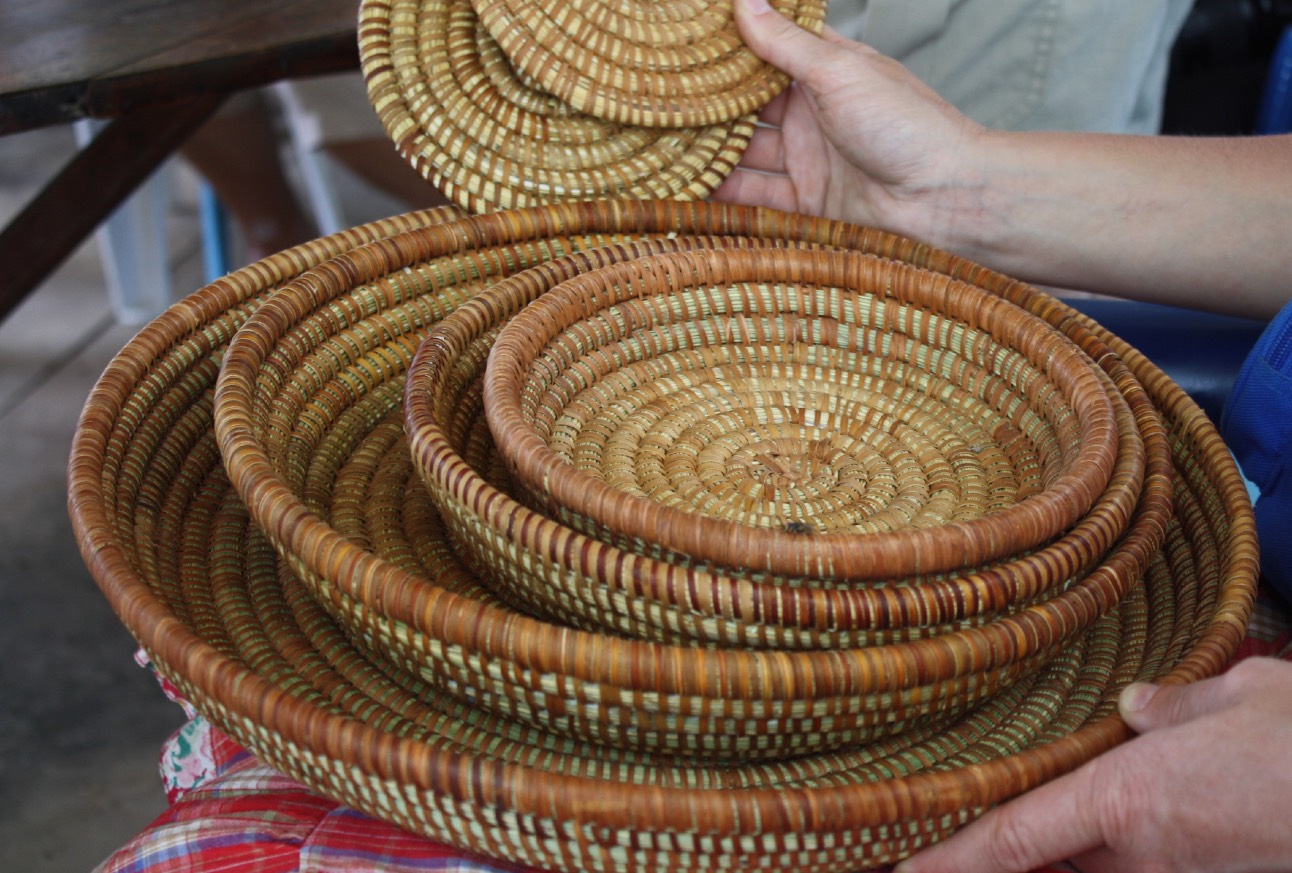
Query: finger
[[752, 188], [781, 42], [766, 151], [1152, 707], [1105, 860], [774, 112], [1021, 835]]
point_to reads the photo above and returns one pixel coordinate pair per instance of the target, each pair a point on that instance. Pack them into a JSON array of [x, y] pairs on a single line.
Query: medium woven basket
[[490, 139], [191, 575], [593, 585]]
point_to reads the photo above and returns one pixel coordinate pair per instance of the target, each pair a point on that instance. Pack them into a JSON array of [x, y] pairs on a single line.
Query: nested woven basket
[[189, 573], [805, 413], [594, 584], [325, 342], [491, 139]]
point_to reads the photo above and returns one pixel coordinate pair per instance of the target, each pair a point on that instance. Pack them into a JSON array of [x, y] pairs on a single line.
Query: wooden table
[[157, 69]]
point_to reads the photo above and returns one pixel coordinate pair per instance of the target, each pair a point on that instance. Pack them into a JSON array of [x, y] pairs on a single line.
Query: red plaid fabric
[[249, 818], [233, 814]]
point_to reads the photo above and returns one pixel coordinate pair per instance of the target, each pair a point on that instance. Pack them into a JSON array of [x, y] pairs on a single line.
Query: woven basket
[[333, 336], [679, 602], [176, 555], [490, 140], [760, 409], [680, 64]]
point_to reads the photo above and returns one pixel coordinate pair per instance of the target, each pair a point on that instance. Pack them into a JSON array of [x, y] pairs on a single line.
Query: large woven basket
[[306, 367], [179, 559]]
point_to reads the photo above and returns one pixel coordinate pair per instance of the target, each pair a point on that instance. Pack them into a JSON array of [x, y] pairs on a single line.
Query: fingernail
[[1137, 695], [757, 7]]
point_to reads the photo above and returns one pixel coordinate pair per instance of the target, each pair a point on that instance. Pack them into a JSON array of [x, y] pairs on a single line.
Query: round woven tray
[[489, 139], [679, 64], [762, 410], [177, 556]]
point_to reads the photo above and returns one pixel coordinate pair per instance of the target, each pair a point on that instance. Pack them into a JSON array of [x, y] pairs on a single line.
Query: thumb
[[1148, 707], [781, 42]]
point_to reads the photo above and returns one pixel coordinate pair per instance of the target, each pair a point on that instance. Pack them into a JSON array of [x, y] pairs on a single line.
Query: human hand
[[857, 137], [1205, 788]]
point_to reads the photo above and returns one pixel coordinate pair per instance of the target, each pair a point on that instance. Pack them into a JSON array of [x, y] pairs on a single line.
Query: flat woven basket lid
[[195, 580], [676, 64], [490, 139]]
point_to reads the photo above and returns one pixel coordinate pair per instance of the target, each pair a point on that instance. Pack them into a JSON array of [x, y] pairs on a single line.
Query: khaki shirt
[[1095, 65]]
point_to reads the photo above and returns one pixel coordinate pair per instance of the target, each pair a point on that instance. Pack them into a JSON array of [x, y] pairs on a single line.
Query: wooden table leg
[[87, 190]]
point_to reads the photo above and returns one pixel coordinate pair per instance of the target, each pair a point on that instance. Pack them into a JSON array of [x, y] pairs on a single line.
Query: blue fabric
[[1275, 115], [1257, 424]]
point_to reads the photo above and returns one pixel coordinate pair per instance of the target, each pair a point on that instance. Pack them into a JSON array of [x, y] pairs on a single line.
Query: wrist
[[955, 202], [965, 208], [1016, 202]]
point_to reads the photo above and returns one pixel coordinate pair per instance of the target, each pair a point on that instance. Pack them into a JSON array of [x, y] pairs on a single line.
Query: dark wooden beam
[[87, 190], [70, 59]]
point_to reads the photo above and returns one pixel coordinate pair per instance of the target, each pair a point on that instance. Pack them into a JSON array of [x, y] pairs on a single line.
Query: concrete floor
[[80, 723]]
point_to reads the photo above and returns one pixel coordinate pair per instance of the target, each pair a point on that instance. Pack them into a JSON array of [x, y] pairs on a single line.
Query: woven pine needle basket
[[177, 556], [676, 64], [761, 409], [490, 139], [595, 584], [339, 332], [327, 353]]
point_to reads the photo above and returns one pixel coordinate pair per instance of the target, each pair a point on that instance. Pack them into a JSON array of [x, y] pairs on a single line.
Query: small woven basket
[[200, 587], [805, 413]]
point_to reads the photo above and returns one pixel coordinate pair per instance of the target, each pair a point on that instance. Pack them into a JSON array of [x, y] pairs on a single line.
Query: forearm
[[1197, 222]]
